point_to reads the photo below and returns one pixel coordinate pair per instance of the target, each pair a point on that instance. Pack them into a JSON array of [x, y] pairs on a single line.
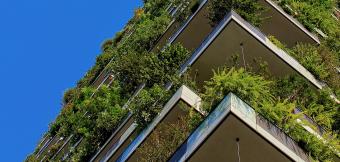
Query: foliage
[[101, 61], [258, 93], [250, 10], [103, 115], [135, 68], [334, 44], [167, 137], [317, 104], [146, 33], [251, 88], [314, 14], [155, 7], [308, 56], [69, 95], [319, 60], [276, 42], [148, 104], [322, 150], [93, 117], [317, 14], [163, 141]]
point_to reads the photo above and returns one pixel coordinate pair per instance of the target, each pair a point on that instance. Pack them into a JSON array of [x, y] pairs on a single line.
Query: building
[[233, 130]]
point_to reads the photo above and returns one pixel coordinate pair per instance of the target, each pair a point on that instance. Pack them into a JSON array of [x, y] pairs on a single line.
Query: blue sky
[[45, 47]]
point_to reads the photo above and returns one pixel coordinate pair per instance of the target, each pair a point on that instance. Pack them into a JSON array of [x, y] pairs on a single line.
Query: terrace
[[171, 113], [235, 131], [234, 36]]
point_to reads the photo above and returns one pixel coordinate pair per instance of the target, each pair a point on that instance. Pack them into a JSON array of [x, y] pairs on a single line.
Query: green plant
[[319, 60], [147, 31], [155, 7], [134, 68], [250, 87], [167, 137], [315, 14], [101, 61], [277, 106], [308, 56], [164, 140], [315, 103], [147, 105], [248, 9], [94, 117]]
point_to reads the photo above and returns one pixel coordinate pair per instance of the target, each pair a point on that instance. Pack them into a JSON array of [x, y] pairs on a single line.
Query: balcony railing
[[318, 129], [184, 94], [232, 104]]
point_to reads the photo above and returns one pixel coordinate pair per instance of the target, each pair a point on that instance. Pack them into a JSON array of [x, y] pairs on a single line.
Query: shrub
[[167, 137], [309, 57], [314, 14], [258, 93], [146, 32], [148, 104], [164, 140], [319, 60], [250, 10], [250, 87], [155, 7], [69, 95], [317, 104], [317, 14], [134, 68]]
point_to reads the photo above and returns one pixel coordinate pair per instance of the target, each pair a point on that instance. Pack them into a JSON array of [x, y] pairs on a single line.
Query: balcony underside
[[234, 130], [277, 23], [234, 37], [223, 143], [195, 30]]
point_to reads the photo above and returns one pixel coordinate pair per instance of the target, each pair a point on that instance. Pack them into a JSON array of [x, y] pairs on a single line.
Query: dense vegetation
[[167, 137], [277, 104], [92, 114], [319, 60], [323, 60], [250, 10], [317, 15]]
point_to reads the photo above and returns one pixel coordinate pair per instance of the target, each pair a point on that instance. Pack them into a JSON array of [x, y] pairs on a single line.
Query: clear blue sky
[[45, 47]]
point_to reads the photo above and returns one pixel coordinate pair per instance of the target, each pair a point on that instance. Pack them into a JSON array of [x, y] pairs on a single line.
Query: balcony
[[63, 149], [119, 139], [45, 150], [194, 30], [234, 131], [105, 77], [278, 23], [171, 113], [236, 36], [112, 143], [283, 26], [45, 142]]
